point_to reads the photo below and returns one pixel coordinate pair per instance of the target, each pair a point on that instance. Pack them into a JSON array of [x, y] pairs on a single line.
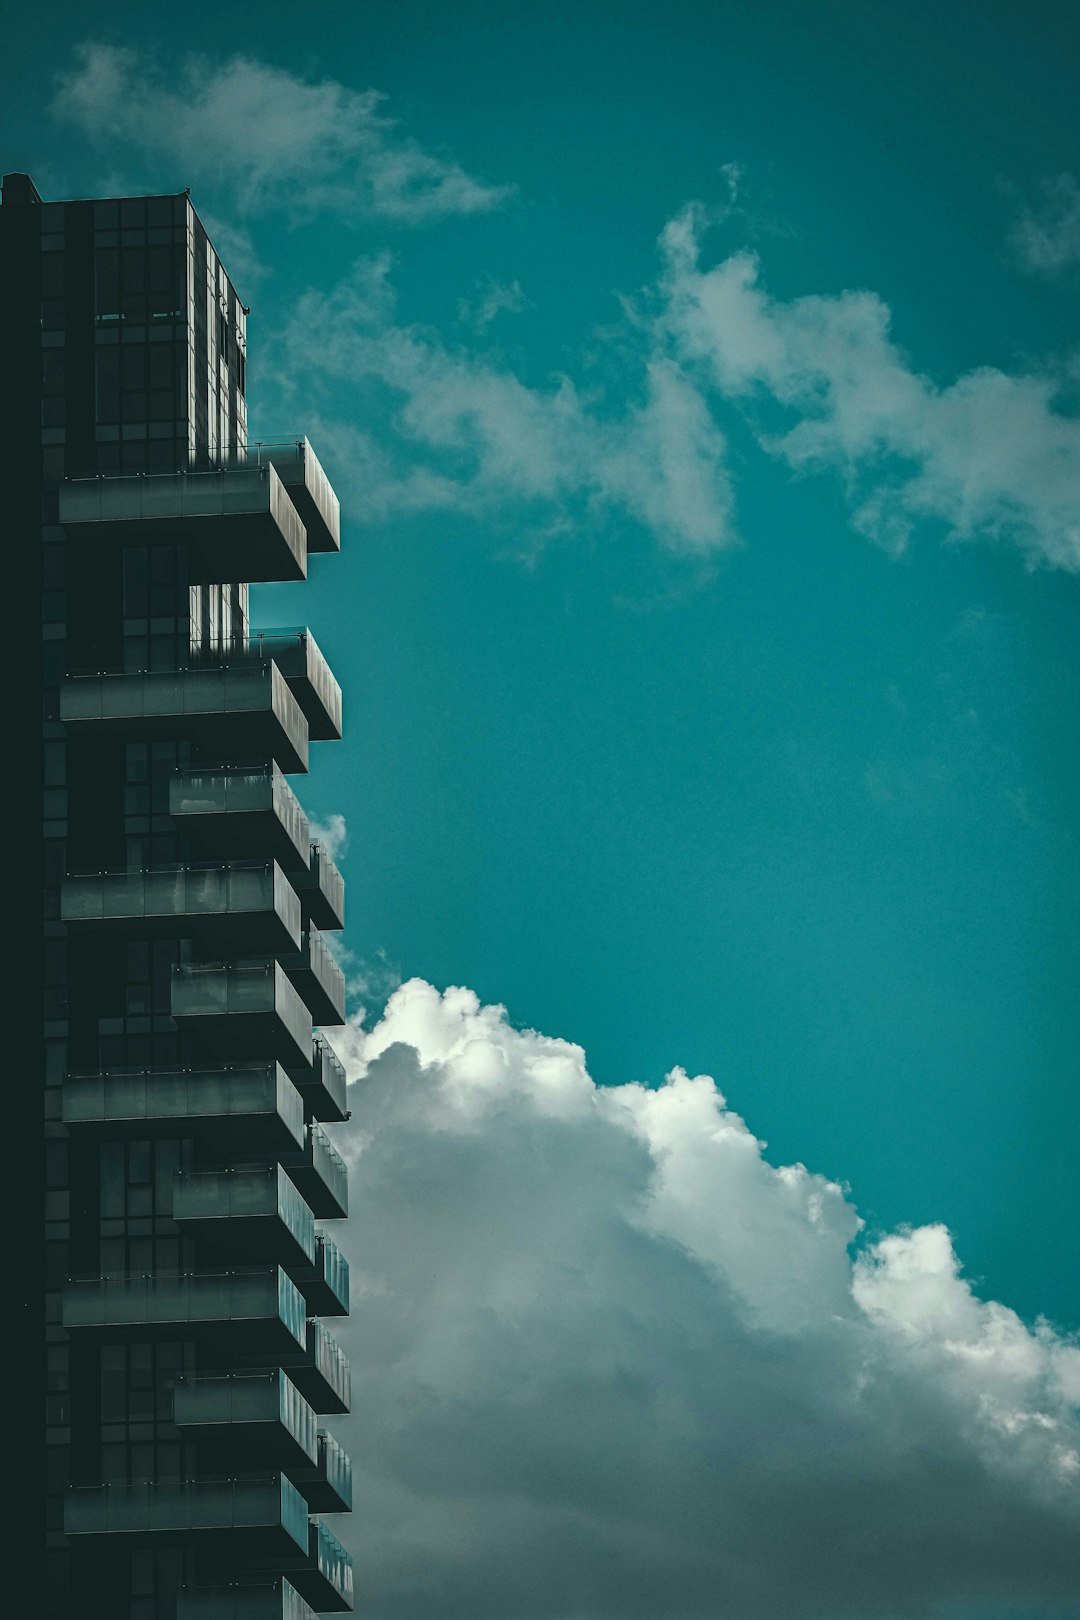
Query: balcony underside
[[240, 524], [320, 1080], [326, 1580], [321, 1176], [326, 1483], [257, 1315], [320, 1370]]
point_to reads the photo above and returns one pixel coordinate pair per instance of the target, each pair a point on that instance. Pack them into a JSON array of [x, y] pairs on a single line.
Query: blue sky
[[700, 384]]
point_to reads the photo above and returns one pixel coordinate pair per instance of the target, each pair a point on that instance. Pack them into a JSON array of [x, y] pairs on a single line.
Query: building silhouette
[[187, 1364]]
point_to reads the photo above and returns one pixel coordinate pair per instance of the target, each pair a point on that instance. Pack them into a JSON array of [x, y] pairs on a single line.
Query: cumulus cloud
[[1046, 236], [460, 430], [988, 455], [609, 1361], [274, 138]]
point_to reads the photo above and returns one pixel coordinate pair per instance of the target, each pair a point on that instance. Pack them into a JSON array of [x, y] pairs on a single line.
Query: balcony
[[324, 1281], [258, 1310], [297, 465], [236, 808], [254, 1415], [327, 1482], [240, 522], [320, 1370], [320, 1080], [318, 978], [253, 1211], [267, 1600], [244, 906], [296, 654], [244, 1008], [322, 889], [253, 1105], [326, 1581], [234, 708], [267, 1517], [321, 1175]]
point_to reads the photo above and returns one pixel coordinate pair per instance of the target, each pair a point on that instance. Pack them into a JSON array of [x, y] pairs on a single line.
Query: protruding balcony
[[327, 1579], [262, 1600], [244, 1008], [321, 1174], [254, 1211], [244, 906], [234, 708], [324, 1282], [255, 1105], [259, 1600], [240, 522], [322, 889], [257, 1418], [296, 653], [260, 1311], [265, 1517], [321, 1370], [309, 488], [318, 978], [320, 1080], [232, 809], [326, 1483]]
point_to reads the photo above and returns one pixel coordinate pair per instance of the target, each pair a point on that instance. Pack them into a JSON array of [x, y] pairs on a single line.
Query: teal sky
[[700, 383], [800, 813]]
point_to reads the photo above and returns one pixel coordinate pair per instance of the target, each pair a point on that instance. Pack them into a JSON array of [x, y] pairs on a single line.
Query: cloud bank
[[608, 1361], [272, 138]]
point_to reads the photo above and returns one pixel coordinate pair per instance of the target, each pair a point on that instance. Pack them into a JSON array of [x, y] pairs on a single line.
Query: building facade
[[187, 1167]]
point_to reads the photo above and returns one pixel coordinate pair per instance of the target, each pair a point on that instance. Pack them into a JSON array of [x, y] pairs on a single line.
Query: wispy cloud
[[460, 430], [274, 139], [607, 1359], [989, 456], [1046, 235]]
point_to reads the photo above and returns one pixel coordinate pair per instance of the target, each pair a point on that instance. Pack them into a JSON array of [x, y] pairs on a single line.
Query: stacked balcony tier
[[231, 809], [246, 1009], [229, 709], [320, 1080], [297, 655], [322, 889], [257, 1416], [255, 1211], [255, 1600], [243, 1107], [317, 976], [258, 1311], [326, 1579], [310, 491], [245, 906], [266, 1517], [320, 1370], [240, 522], [320, 1173]]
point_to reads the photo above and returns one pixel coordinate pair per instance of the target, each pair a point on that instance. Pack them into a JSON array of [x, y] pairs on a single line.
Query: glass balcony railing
[[321, 1081], [257, 1101], [245, 903], [239, 522], [260, 1304], [322, 889], [265, 1600], [309, 488], [321, 1174], [296, 653], [225, 1405], [327, 1484], [185, 1507], [321, 1371], [245, 1007], [262, 1207], [327, 1580], [232, 803], [325, 1284], [224, 706], [317, 976]]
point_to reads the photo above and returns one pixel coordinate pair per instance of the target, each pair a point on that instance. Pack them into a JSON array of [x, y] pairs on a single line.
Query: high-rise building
[[187, 1168]]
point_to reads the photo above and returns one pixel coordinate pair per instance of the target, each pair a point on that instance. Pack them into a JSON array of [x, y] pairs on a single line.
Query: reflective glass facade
[[182, 961]]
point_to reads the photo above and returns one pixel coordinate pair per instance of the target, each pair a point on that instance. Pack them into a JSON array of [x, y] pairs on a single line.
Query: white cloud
[[988, 456], [274, 139], [460, 430], [332, 834], [608, 1362], [1047, 236]]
